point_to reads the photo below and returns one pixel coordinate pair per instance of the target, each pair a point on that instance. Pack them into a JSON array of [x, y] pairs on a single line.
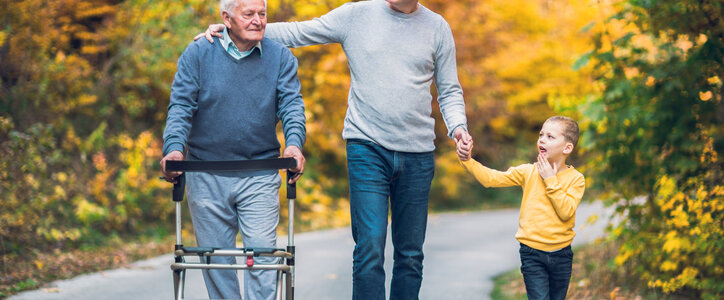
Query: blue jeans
[[376, 175], [546, 274]]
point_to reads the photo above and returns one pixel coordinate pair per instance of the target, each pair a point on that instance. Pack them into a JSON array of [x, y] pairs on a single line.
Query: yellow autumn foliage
[[84, 99], [85, 88]]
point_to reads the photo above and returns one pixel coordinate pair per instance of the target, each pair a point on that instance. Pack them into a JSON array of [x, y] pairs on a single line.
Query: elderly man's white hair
[[229, 6]]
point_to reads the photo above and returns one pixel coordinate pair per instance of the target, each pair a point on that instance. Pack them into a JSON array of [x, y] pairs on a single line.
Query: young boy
[[551, 193]]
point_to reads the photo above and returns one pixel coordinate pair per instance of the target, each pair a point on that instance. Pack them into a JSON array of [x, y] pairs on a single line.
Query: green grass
[[503, 290], [20, 286]]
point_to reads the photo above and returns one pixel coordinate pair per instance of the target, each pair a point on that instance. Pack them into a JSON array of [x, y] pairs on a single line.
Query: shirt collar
[[226, 41]]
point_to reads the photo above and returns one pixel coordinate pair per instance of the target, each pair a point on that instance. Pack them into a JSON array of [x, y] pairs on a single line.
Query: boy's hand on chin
[[544, 167]]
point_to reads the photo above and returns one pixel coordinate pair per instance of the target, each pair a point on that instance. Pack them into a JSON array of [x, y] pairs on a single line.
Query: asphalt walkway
[[463, 252]]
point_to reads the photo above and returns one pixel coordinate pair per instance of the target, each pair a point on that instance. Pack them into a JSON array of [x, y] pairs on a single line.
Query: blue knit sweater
[[227, 109]]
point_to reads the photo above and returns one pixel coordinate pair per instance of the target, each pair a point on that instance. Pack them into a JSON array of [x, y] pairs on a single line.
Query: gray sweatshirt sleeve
[[329, 28], [183, 103], [450, 94], [290, 106]]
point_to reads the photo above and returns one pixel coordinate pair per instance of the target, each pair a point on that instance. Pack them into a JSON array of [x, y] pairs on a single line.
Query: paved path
[[463, 252]]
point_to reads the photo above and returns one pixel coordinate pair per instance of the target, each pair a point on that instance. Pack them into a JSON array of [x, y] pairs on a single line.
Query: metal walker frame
[[285, 262]]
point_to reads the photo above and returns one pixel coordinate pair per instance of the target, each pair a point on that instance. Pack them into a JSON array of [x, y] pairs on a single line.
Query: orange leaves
[[705, 96], [514, 64], [92, 10]]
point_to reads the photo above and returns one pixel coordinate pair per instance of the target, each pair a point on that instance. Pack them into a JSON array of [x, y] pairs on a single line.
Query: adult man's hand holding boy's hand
[[463, 143], [464, 150]]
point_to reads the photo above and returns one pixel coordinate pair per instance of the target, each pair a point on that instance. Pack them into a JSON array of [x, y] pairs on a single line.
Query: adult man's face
[[404, 6], [247, 24]]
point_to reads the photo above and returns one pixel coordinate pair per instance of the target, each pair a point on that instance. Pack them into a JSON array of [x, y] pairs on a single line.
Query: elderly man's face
[[248, 22]]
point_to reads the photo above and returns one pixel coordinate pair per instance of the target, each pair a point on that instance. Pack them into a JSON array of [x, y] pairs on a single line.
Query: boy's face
[[551, 142]]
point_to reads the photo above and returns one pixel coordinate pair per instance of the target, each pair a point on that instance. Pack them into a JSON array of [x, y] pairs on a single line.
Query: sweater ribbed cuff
[[172, 146], [451, 134]]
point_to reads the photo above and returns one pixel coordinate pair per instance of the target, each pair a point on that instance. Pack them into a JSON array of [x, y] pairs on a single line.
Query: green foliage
[[84, 89], [82, 101], [24, 285], [656, 131]]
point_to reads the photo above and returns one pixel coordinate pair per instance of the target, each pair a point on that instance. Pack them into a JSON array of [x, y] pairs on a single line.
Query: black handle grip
[[291, 187], [179, 187]]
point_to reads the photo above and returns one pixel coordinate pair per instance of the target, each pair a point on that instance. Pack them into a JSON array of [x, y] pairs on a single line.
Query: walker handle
[[178, 188], [291, 187]]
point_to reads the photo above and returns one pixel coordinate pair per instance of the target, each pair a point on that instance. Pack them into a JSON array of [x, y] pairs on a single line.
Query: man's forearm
[[329, 28], [299, 34]]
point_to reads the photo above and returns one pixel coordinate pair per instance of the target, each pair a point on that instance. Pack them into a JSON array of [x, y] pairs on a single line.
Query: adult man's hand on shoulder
[[296, 153], [213, 30]]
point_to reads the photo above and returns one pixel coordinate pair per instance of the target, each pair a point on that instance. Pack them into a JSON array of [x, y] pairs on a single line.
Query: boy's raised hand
[[544, 167]]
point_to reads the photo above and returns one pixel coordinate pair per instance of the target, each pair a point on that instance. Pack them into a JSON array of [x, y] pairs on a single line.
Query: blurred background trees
[[84, 88]]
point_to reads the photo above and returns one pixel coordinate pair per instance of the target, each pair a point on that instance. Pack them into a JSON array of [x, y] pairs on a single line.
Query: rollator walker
[[285, 257]]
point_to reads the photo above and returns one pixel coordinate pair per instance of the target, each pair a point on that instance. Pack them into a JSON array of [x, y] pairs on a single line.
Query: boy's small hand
[[545, 169], [463, 143], [464, 150]]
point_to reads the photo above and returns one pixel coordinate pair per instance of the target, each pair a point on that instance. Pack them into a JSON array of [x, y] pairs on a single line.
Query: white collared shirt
[[232, 49]]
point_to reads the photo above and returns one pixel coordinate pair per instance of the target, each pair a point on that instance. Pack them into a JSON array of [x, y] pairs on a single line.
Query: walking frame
[[285, 262]]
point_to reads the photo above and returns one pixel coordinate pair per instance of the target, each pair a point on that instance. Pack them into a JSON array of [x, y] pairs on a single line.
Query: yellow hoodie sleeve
[[494, 178], [565, 199]]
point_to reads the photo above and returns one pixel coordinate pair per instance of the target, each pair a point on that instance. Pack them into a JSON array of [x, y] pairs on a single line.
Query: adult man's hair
[[228, 6]]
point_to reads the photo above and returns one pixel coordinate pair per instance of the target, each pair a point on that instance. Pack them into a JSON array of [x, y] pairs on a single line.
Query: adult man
[[225, 102], [395, 48]]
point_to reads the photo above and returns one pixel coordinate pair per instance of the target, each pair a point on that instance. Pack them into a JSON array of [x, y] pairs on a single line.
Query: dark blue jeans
[[376, 176], [546, 274]]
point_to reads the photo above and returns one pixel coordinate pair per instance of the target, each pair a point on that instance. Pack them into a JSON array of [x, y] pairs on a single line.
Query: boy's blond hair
[[570, 128]]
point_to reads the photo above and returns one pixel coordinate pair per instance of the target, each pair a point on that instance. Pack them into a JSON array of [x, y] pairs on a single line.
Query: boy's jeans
[[546, 274], [376, 174]]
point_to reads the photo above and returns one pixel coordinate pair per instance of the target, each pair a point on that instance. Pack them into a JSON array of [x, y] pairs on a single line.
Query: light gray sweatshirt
[[393, 59]]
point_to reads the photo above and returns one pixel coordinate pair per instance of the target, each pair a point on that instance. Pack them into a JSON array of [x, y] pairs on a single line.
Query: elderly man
[[395, 49], [225, 102]]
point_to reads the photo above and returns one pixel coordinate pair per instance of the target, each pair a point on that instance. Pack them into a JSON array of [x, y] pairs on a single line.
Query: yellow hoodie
[[548, 207]]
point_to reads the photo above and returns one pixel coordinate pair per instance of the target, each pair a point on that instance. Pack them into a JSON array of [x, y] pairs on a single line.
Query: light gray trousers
[[222, 206]]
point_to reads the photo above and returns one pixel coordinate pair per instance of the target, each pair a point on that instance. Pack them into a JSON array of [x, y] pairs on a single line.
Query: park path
[[463, 252]]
